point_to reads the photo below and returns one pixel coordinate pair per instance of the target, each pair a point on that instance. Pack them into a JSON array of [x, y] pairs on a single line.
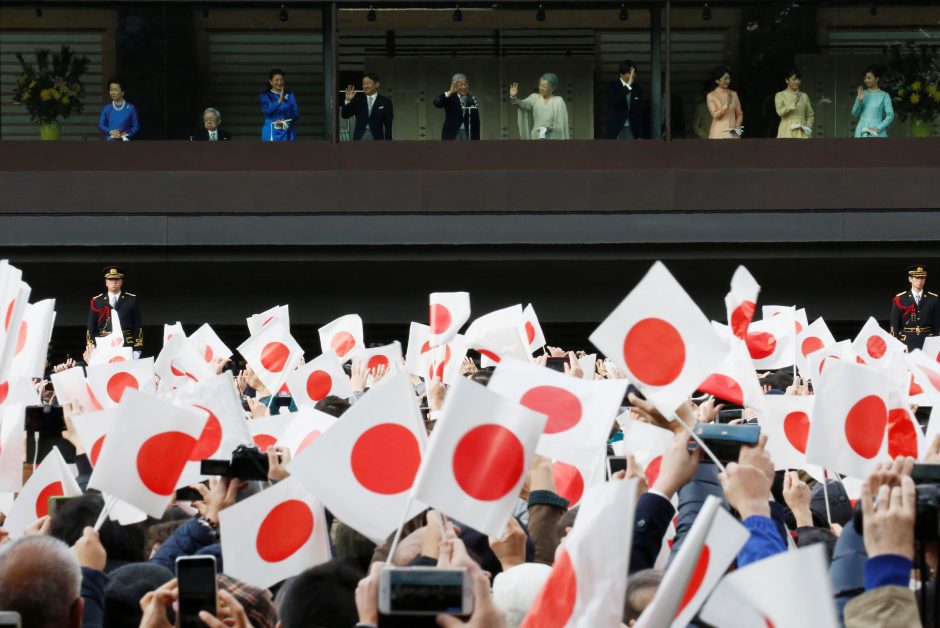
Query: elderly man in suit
[[461, 116], [211, 119], [373, 111]]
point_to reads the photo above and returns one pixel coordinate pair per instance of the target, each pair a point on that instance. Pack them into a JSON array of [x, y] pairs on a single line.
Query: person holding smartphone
[[279, 108], [872, 106]]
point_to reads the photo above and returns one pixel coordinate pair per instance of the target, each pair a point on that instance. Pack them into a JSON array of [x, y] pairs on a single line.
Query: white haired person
[[542, 115], [212, 128]]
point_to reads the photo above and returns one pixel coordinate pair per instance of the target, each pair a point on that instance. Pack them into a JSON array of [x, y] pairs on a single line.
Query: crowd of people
[[74, 566], [542, 115]]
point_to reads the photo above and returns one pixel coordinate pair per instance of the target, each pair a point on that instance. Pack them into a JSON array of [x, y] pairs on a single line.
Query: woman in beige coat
[[795, 111]]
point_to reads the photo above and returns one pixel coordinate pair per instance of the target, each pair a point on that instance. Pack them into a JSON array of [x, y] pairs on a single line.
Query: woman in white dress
[[542, 115]]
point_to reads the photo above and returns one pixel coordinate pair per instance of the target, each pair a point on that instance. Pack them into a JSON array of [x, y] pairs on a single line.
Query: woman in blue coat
[[873, 107], [279, 108]]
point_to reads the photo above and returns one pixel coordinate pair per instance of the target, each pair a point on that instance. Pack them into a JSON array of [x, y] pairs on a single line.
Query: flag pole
[[105, 511], [700, 442], [826, 496], [404, 518]]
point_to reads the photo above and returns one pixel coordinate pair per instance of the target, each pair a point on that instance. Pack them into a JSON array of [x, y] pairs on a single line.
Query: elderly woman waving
[[542, 115]]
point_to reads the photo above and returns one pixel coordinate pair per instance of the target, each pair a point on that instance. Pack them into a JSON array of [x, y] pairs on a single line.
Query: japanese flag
[[317, 379], [180, 361], [814, 337], [306, 426], [711, 545], [445, 360], [799, 315], [478, 456], [12, 447], [931, 347], [771, 341], [14, 297], [741, 302], [363, 467], [107, 353], [499, 335], [876, 346], [533, 329], [172, 331], [21, 390], [256, 322], [274, 534], [342, 337], [144, 455], [107, 383], [272, 354], [388, 356], [51, 479], [787, 423], [226, 428], [448, 312], [926, 374], [69, 385], [571, 480], [32, 342], [821, 360], [647, 444], [579, 412], [209, 345], [588, 581], [417, 358], [735, 380], [661, 340], [93, 429], [787, 590], [851, 416], [267, 431]]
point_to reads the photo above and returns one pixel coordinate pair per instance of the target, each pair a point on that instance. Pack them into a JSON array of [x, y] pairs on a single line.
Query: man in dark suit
[[461, 117], [122, 303], [373, 111], [624, 108], [211, 119], [915, 313]]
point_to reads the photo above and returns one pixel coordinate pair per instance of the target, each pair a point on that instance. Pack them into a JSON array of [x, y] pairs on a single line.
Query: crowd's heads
[[548, 83], [211, 119], [122, 543], [258, 604], [41, 580], [482, 376], [321, 596], [354, 546], [333, 405], [126, 585], [641, 588], [515, 590]]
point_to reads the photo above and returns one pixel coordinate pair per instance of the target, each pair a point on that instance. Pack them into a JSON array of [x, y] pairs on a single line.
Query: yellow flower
[[917, 86], [915, 98], [932, 90], [902, 92], [55, 93], [935, 96], [45, 94], [65, 100]]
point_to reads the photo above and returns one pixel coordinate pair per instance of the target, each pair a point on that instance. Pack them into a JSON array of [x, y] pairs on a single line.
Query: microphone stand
[[467, 109]]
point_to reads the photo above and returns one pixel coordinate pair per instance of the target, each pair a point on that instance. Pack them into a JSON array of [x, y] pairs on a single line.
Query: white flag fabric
[[51, 479], [14, 296], [12, 447], [32, 341], [342, 337], [499, 334], [588, 581], [771, 341], [69, 385], [822, 359], [931, 347], [444, 361], [571, 481], [363, 467], [107, 383], [734, 379], [226, 427], [786, 423], [448, 312], [579, 412], [93, 429], [209, 345], [143, 457], [267, 431], [318, 379], [306, 426], [110, 350], [417, 358], [172, 331], [272, 354], [787, 590], [533, 329], [814, 337], [711, 545], [741, 301], [478, 456], [876, 346], [647, 444], [274, 534], [21, 390], [388, 356], [256, 322], [661, 340], [926, 374]]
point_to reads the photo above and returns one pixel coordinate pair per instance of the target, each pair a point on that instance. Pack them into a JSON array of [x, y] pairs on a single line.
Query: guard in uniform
[[123, 303], [915, 313]]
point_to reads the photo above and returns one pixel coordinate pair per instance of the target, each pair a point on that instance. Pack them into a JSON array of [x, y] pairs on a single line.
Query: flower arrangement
[[913, 78], [53, 87]]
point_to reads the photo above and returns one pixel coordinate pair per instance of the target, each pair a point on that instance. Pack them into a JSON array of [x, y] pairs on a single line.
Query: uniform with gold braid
[[128, 311], [912, 322]]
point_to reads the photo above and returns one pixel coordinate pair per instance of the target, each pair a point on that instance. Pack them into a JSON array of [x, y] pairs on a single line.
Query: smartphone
[[725, 441], [214, 467], [425, 591], [54, 503], [926, 474], [615, 464], [10, 619], [557, 364], [730, 414], [196, 580], [45, 419], [188, 494]]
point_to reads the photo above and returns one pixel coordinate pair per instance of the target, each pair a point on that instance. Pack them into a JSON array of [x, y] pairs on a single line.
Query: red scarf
[[104, 312], [905, 310]]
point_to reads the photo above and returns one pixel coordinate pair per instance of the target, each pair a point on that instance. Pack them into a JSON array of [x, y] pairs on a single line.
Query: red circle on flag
[[116, 359], [811, 344], [4, 391], [568, 482], [342, 343], [741, 318], [529, 332], [175, 371], [426, 346], [488, 462], [654, 351], [915, 388], [902, 435], [376, 361], [161, 459], [698, 576], [386, 458], [440, 318], [284, 531], [555, 602], [274, 356], [319, 385], [54, 489], [91, 397], [865, 426], [876, 346], [798, 326], [208, 354], [932, 376], [562, 407], [307, 441], [21, 338], [120, 382], [796, 429], [761, 344], [489, 354], [210, 439], [96, 450], [652, 469], [263, 441], [6, 322], [724, 387]]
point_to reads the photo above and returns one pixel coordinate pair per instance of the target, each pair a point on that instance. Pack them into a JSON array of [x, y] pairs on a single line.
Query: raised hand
[[513, 90], [861, 93], [350, 92]]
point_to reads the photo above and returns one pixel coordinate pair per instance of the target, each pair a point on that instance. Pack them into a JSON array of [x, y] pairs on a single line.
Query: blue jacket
[[190, 539], [653, 514], [93, 583]]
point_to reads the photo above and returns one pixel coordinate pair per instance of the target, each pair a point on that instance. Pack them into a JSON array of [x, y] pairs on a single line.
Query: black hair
[[482, 376], [333, 405], [875, 71], [626, 65], [814, 535], [793, 71], [122, 543], [275, 72], [720, 71], [118, 80], [324, 595], [372, 76]]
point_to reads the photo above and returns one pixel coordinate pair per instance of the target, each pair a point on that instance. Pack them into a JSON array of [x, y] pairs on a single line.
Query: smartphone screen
[[426, 591], [557, 364], [197, 588], [45, 419]]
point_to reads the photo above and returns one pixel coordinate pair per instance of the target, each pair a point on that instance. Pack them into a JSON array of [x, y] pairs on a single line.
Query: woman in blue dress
[[279, 109], [873, 106], [118, 119]]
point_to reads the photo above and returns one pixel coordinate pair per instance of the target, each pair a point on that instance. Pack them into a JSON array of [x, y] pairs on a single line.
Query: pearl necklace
[[116, 108]]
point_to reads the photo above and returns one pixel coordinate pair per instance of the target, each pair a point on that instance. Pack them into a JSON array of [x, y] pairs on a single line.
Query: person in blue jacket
[[118, 120], [279, 108]]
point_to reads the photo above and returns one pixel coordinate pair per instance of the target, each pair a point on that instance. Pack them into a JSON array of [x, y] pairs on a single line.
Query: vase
[[921, 128], [49, 130]]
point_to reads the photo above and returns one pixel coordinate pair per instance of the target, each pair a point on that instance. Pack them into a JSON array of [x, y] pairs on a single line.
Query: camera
[[927, 504], [247, 463]]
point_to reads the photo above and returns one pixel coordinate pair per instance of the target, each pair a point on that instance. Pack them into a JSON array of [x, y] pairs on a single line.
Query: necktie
[[371, 101], [917, 300], [212, 135], [113, 301]]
